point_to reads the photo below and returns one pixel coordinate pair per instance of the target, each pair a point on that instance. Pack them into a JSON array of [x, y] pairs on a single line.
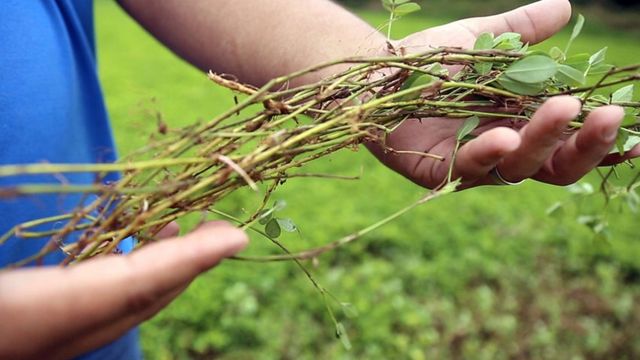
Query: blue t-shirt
[[51, 109]]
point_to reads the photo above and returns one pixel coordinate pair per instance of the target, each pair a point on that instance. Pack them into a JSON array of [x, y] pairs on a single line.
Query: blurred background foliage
[[481, 274]]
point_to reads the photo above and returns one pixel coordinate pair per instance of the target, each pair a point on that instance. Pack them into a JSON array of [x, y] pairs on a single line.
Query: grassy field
[[481, 274]]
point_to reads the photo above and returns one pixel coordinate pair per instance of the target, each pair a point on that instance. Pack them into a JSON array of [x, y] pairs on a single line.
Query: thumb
[[536, 22], [146, 275]]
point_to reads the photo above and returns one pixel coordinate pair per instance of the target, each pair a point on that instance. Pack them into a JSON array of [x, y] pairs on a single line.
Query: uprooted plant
[[274, 130]]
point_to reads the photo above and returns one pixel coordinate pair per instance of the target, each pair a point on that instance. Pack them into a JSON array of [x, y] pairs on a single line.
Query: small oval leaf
[[467, 127], [341, 333], [405, 9], [557, 54], [578, 61], [508, 41], [287, 225], [272, 229], [577, 28], [532, 69], [279, 205], [416, 79], [483, 42], [624, 94], [570, 76], [520, 87], [349, 310], [265, 216], [599, 57]]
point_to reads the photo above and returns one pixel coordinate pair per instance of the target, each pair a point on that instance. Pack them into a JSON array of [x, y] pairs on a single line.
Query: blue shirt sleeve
[[51, 109]]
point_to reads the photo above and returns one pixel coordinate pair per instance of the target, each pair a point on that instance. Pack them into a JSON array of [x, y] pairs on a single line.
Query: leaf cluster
[[398, 9]]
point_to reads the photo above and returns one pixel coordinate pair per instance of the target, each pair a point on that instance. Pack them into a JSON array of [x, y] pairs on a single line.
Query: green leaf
[[272, 229], [554, 209], [406, 8], [577, 28], [506, 37], [537, 52], [265, 216], [532, 69], [520, 87], [600, 69], [279, 205], [416, 79], [508, 41], [582, 188], [600, 98], [570, 76], [557, 54], [341, 334], [394, 2], [349, 310], [437, 68], [390, 5], [598, 57], [578, 61], [483, 68], [483, 42], [624, 94], [450, 187], [467, 138], [467, 127], [630, 117], [626, 142], [287, 224], [621, 141]]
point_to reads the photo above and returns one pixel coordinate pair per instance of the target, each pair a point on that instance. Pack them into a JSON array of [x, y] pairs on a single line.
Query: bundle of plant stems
[[274, 130]]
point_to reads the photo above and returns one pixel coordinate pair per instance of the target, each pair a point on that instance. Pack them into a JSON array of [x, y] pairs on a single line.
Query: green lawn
[[484, 273]]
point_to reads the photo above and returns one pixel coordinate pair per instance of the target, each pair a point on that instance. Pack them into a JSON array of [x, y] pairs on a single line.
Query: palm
[[435, 135], [539, 150]]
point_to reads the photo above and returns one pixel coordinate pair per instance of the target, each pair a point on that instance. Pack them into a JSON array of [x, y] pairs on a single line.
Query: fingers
[[172, 229], [616, 158], [536, 22], [476, 158], [540, 151], [585, 149], [144, 276], [78, 300], [540, 138]]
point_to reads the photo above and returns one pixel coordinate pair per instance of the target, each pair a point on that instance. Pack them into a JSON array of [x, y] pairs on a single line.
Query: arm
[[257, 40]]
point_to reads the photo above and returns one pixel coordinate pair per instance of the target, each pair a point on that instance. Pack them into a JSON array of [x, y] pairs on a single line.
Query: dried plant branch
[[188, 170]]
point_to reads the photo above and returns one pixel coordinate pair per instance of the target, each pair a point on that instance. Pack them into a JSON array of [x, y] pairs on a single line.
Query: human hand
[[540, 149], [57, 313]]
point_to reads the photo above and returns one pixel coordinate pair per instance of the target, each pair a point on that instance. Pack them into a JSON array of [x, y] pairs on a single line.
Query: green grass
[[484, 273]]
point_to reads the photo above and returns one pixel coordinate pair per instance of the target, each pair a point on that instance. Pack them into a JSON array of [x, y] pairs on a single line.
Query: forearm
[[257, 40]]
